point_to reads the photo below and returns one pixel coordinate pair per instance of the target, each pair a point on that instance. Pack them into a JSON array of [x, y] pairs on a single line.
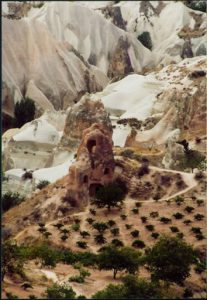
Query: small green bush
[[155, 235], [24, 111], [100, 239], [199, 217], [75, 227], [81, 244], [42, 184], [144, 219], [117, 243], [150, 227], [135, 210], [123, 217], [138, 244], [154, 214], [178, 216], [165, 220], [10, 200], [134, 233], [174, 229], [115, 231], [111, 223]]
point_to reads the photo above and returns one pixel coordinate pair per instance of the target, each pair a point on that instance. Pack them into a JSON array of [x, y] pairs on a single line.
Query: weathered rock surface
[[94, 166], [54, 74], [81, 116]]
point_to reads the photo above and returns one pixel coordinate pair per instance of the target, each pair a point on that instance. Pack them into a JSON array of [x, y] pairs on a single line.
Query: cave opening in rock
[[91, 146]]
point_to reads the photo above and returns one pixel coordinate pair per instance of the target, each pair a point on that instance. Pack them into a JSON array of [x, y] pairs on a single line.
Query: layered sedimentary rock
[[94, 166]]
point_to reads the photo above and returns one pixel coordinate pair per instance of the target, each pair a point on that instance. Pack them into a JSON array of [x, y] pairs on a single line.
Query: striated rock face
[[120, 63], [94, 166], [81, 116], [52, 73]]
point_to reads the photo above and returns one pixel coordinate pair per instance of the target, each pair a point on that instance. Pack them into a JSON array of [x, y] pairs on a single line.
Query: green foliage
[[100, 239], [42, 184], [90, 220], [117, 259], [60, 292], [170, 260], [154, 214], [11, 296], [138, 204], [75, 227], [24, 111], [199, 236], [58, 225], [199, 217], [134, 233], [144, 219], [84, 234], [110, 195], [179, 200], [192, 159], [81, 244], [155, 235], [12, 259], [123, 217], [178, 216], [115, 231], [200, 267], [189, 209], [117, 243], [145, 39], [150, 227], [128, 153], [187, 222], [111, 223], [83, 273], [100, 226], [174, 229], [138, 244], [135, 211], [47, 255], [199, 202], [128, 226], [196, 230], [10, 200], [132, 288], [165, 220]]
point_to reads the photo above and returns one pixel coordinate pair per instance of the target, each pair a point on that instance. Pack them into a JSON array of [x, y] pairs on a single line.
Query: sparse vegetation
[[178, 216], [150, 227], [100, 239], [165, 220], [174, 229], [154, 214], [138, 244], [145, 39], [144, 219], [81, 244], [24, 111], [10, 200], [155, 235], [42, 184], [135, 233], [189, 209], [100, 226], [135, 211], [115, 231], [111, 195], [199, 217]]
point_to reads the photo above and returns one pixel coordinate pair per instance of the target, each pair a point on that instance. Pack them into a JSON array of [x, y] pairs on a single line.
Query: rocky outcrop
[[120, 63], [94, 165], [35, 64], [81, 116]]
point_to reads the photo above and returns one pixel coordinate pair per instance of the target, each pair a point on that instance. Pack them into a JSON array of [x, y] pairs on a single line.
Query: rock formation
[[81, 116], [94, 166]]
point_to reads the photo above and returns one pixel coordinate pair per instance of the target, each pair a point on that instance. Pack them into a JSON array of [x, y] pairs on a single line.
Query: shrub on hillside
[[24, 111], [42, 184], [145, 39], [10, 200]]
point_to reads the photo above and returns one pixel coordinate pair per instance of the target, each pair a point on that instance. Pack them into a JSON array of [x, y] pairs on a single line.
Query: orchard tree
[[170, 260], [118, 259], [110, 195]]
